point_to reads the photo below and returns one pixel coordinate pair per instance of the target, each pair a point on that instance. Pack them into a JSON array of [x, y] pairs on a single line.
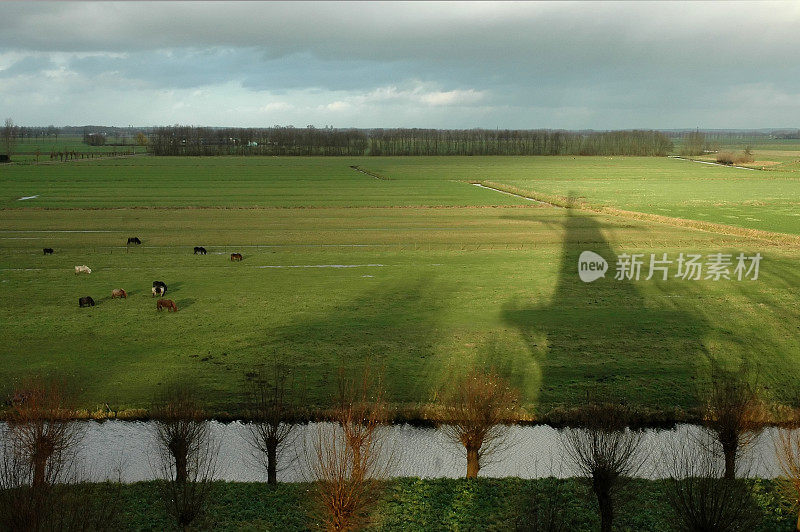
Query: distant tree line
[[32, 133], [189, 140], [787, 134]]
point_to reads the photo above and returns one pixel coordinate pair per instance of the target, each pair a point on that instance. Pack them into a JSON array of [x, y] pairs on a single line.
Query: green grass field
[[765, 200], [421, 274]]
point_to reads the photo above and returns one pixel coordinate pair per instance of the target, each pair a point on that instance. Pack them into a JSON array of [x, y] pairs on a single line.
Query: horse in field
[[134, 240], [82, 269], [235, 257], [48, 251], [119, 292], [85, 302], [199, 250], [159, 288], [167, 304]]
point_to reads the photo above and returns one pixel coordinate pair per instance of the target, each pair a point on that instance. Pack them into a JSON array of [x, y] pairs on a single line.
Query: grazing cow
[[167, 304], [199, 250], [85, 302], [236, 256], [134, 240], [159, 288], [48, 251], [82, 269], [119, 292]]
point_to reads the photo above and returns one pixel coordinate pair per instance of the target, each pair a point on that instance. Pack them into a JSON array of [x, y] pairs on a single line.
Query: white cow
[[82, 269]]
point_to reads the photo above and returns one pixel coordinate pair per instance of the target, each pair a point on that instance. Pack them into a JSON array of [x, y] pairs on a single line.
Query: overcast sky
[[443, 65]]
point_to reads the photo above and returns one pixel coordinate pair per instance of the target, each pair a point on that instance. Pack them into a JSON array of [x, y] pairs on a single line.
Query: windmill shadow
[[605, 337]]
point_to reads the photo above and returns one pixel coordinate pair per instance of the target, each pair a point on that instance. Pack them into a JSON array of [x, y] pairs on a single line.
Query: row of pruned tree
[[189, 140], [349, 458]]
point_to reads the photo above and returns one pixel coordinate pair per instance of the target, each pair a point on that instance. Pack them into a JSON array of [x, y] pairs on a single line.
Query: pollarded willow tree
[[272, 412], [700, 496], [734, 412], [185, 451], [475, 412], [350, 457], [605, 451], [42, 486]]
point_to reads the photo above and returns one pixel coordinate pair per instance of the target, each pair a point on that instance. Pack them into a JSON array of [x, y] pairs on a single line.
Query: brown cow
[[167, 304], [119, 292], [236, 256]]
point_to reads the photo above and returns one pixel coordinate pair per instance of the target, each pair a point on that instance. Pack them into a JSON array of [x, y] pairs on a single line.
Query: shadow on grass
[[605, 337], [391, 328], [185, 303]]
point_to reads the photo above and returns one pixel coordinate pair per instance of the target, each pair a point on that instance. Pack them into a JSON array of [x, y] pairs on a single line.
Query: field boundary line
[[371, 174], [257, 207], [781, 239], [544, 203], [712, 163]]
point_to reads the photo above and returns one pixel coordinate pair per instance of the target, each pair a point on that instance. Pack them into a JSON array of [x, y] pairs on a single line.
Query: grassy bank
[[440, 504]]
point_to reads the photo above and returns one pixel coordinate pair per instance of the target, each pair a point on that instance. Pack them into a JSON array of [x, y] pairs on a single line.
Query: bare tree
[[41, 429], [787, 450], [41, 487], [475, 413], [272, 411], [735, 414], [38, 451], [9, 137], [699, 494], [186, 453], [605, 451], [349, 457]]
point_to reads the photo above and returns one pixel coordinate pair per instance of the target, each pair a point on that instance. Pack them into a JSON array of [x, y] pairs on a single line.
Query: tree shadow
[[604, 337], [391, 328]]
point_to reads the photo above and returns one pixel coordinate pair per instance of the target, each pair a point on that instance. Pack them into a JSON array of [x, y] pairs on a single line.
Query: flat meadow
[[417, 272]]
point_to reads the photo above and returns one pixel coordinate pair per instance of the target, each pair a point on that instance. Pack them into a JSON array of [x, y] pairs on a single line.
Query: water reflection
[[115, 449]]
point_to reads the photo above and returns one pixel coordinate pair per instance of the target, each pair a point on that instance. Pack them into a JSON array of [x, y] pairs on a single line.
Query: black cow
[[48, 251], [134, 240], [199, 250], [159, 288], [85, 302]]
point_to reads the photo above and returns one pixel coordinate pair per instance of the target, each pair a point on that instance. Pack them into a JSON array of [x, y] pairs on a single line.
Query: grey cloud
[[188, 68], [604, 62], [27, 65]]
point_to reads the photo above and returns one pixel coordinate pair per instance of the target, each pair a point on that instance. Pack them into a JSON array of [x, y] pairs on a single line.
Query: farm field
[[423, 293], [230, 182], [764, 200]]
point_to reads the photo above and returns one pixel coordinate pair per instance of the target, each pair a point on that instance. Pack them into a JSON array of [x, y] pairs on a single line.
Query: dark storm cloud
[[646, 61]]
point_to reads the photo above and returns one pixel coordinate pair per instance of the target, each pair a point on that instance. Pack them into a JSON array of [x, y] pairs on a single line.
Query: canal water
[[125, 450]]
